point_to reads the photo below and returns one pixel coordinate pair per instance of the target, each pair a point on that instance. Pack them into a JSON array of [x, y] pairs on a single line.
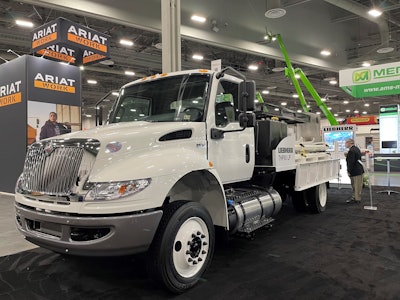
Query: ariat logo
[[361, 76], [59, 53], [44, 35], [87, 38], [89, 56], [10, 93], [54, 83]]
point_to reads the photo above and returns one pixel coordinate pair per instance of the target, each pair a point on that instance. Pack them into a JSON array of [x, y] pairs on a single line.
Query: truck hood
[[132, 135]]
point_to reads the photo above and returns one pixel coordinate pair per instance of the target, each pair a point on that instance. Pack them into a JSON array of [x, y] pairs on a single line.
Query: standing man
[[52, 127], [355, 170]]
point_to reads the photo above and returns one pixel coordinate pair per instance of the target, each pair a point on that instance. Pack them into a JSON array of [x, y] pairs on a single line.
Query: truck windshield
[[168, 99]]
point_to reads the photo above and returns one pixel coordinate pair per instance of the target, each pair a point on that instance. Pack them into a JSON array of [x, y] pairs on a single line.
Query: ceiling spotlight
[[345, 102], [356, 111], [197, 57], [364, 112], [24, 23], [129, 73], [295, 96], [198, 19], [91, 81], [333, 82], [253, 67], [325, 52], [366, 104], [126, 42], [374, 12], [283, 103], [347, 110], [366, 64], [265, 92]]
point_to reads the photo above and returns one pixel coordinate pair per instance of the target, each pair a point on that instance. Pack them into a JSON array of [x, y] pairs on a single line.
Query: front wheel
[[183, 246], [317, 198]]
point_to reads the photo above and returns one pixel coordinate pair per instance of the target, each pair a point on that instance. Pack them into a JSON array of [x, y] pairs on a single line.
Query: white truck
[[183, 155]]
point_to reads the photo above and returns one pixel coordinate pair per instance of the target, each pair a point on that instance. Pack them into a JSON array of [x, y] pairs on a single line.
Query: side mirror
[[247, 95]]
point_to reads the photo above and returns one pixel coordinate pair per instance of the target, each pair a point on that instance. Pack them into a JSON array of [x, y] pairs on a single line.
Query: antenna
[[9, 50]]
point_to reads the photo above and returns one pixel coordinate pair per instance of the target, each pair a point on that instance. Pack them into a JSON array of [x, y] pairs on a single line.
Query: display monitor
[[338, 136]]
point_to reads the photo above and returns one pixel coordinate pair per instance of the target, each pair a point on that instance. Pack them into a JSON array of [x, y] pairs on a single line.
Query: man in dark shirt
[[355, 170], [52, 127]]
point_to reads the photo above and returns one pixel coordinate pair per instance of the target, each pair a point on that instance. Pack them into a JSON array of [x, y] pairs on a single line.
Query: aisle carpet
[[346, 252]]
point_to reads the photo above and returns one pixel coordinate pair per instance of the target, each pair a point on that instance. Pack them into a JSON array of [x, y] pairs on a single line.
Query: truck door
[[233, 154]]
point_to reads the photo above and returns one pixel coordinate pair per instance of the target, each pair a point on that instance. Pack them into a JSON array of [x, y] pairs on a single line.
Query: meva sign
[[70, 42], [377, 80]]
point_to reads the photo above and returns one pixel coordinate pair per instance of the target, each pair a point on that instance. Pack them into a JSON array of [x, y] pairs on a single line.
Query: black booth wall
[[20, 83]]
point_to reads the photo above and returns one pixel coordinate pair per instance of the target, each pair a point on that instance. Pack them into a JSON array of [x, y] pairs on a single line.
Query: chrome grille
[[57, 167]]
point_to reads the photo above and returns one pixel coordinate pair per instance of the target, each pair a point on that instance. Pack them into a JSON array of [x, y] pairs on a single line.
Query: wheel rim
[[322, 194], [191, 247]]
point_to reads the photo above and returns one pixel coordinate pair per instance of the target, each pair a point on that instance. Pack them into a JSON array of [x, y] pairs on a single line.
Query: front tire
[[317, 198], [183, 246]]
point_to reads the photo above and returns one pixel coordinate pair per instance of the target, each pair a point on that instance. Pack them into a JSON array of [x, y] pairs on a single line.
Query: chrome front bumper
[[98, 235]]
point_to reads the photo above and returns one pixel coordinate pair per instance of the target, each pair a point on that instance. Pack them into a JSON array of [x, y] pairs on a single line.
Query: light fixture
[[330, 108], [384, 50], [333, 82], [82, 68], [297, 76], [197, 18], [274, 9], [115, 93], [129, 73], [276, 109], [299, 110], [335, 115], [356, 111], [374, 12], [366, 104], [265, 92], [24, 23], [295, 96], [318, 112], [126, 42], [253, 67], [364, 112], [366, 64], [92, 81], [214, 26], [197, 57], [283, 103], [347, 110], [325, 52]]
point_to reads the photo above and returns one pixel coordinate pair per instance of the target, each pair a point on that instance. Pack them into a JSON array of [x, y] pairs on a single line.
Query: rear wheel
[[317, 198], [183, 246]]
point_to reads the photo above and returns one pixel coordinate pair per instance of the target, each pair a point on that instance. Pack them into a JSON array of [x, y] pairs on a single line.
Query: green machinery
[[291, 73]]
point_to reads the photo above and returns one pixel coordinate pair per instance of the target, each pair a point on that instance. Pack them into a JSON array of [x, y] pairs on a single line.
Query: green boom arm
[[290, 72]]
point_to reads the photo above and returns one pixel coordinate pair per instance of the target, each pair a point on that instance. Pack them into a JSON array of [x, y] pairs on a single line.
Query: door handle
[[247, 153]]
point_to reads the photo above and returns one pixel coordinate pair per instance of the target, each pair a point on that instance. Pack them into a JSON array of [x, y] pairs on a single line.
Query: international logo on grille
[[48, 149]]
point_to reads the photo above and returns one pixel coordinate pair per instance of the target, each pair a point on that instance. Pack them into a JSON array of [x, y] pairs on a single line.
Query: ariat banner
[[379, 80], [10, 93], [52, 82], [63, 40]]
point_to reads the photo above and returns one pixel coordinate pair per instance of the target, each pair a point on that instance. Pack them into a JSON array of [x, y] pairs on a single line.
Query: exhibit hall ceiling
[[235, 35]]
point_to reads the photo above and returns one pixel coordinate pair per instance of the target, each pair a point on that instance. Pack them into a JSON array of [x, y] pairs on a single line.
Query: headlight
[[115, 190]]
